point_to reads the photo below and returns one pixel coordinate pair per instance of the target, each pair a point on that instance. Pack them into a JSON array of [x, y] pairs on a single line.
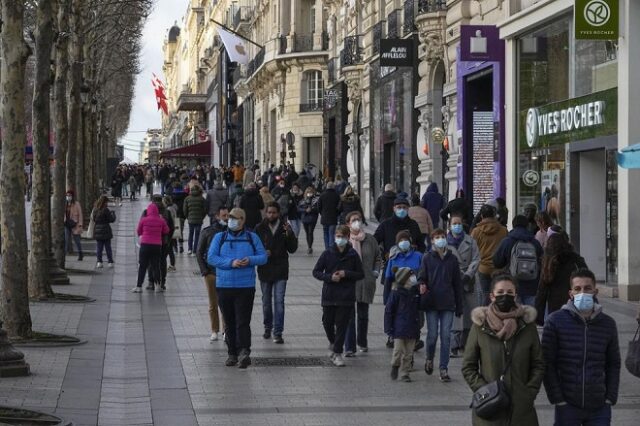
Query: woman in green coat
[[498, 330]]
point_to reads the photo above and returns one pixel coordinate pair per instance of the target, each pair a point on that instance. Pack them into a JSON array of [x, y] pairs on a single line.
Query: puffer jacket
[[582, 358], [401, 319], [502, 257], [194, 207], [442, 277], [228, 246], [384, 206], [410, 259], [103, 219], [152, 227], [488, 234], [343, 292], [216, 198], [371, 261]]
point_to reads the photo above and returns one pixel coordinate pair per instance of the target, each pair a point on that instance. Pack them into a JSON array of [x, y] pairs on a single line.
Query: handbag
[[70, 223], [92, 225], [632, 361], [493, 398]]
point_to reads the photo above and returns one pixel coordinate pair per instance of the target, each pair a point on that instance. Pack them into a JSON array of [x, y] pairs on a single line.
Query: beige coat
[[75, 213], [423, 218]]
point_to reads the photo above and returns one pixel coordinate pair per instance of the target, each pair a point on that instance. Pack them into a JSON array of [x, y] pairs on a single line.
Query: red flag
[[161, 98]]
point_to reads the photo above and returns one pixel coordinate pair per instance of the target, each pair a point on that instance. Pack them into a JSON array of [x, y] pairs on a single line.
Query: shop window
[[596, 66], [312, 90]]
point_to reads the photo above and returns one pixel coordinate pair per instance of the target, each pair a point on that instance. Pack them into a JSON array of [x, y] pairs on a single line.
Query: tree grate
[[297, 361]]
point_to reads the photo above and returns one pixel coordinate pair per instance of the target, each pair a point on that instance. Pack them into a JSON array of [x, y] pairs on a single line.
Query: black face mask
[[505, 302]]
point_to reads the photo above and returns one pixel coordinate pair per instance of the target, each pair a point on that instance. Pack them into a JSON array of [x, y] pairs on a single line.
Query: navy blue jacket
[[401, 320], [502, 257], [582, 358], [342, 293], [442, 277], [433, 201]]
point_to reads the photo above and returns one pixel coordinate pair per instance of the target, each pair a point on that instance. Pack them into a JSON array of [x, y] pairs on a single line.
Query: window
[[312, 23], [312, 87]]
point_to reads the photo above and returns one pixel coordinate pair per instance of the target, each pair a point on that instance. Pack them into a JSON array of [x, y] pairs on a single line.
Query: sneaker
[[267, 333], [213, 337], [405, 379], [349, 354], [80, 257], [171, 268], [337, 360], [331, 353], [389, 343], [120, 204], [189, 252], [244, 360], [364, 349], [428, 367], [444, 376], [99, 265], [136, 290], [110, 265], [150, 287], [419, 345], [231, 361], [309, 250], [278, 339], [454, 353], [181, 249], [394, 372], [160, 289], [163, 287]]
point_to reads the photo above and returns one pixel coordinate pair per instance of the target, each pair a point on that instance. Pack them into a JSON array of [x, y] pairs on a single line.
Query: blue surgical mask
[[233, 224], [457, 228], [404, 245], [583, 302], [440, 243], [401, 213], [341, 242]]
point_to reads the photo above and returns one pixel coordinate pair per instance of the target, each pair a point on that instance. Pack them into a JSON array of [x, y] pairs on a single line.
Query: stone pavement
[[148, 359]]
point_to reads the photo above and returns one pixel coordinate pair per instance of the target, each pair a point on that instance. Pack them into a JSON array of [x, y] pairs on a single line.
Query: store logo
[[530, 178], [532, 127], [597, 13]]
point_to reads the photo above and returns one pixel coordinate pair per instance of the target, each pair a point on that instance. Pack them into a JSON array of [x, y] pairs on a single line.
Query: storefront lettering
[[396, 53], [564, 120]]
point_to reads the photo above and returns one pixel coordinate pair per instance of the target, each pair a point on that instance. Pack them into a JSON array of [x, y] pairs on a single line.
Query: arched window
[[312, 90]]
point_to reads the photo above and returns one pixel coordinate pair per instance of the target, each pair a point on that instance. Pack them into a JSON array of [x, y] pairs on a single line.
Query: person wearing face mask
[[367, 248], [421, 216], [72, 223], [339, 268], [308, 210], [503, 341], [582, 356], [282, 196], [328, 208], [349, 202], [235, 253], [441, 287], [386, 232], [208, 272], [293, 216]]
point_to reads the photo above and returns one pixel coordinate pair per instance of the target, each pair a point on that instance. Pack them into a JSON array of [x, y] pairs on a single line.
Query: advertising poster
[[550, 200]]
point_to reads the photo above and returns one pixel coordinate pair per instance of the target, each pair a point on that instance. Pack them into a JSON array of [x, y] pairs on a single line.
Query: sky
[[145, 114]]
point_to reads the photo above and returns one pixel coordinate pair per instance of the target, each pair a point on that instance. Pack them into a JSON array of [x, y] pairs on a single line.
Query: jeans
[[484, 289], [308, 229], [295, 226], [194, 235], [361, 317], [104, 244], [568, 415], [210, 283], [149, 258], [329, 235], [439, 322], [236, 305], [528, 300], [335, 320], [68, 236], [273, 302], [125, 189]]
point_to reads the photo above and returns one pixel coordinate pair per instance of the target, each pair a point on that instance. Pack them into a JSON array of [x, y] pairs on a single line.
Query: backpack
[[524, 261], [249, 240]]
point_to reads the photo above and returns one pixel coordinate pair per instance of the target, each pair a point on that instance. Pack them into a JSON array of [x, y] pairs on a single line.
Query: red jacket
[[151, 227]]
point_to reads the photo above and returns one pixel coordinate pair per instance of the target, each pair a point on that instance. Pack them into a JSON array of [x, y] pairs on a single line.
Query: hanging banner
[[596, 19], [396, 52]]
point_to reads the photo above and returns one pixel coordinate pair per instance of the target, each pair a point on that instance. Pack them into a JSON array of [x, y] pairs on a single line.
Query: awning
[[202, 149], [629, 157]]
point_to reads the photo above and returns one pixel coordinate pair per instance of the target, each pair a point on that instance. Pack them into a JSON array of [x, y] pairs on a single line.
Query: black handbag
[[493, 398], [70, 223], [632, 361]]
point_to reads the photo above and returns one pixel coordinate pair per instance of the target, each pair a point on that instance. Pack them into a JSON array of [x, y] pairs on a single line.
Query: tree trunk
[[15, 298], [62, 134], [39, 287], [73, 94]]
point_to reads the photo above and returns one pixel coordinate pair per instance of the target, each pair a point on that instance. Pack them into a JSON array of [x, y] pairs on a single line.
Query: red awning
[[202, 149]]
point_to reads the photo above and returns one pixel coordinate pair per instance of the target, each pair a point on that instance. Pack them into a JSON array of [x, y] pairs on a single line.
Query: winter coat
[[74, 212], [349, 203], [442, 277], [152, 227], [292, 212], [279, 244], [552, 296], [488, 234], [328, 207], [384, 206], [216, 198], [308, 203], [410, 259], [371, 261], [282, 196], [116, 186], [251, 202], [582, 358], [468, 256], [502, 257], [238, 173], [458, 206], [228, 246], [206, 236], [401, 319], [266, 197], [433, 201], [178, 196], [386, 233], [484, 360], [249, 177], [102, 219], [303, 181], [194, 207], [343, 292], [422, 218]]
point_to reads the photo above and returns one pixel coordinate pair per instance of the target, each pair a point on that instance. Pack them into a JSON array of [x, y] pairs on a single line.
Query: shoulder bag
[[92, 224], [632, 362], [493, 398]]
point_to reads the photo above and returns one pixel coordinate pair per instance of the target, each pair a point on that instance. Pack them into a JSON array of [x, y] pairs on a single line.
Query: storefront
[[335, 119]]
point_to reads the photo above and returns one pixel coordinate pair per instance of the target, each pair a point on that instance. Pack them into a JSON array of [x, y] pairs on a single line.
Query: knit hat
[[401, 276], [403, 235], [401, 201]]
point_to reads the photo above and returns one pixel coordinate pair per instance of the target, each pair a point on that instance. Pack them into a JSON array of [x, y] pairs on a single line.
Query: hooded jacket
[[582, 358], [343, 292], [103, 219], [401, 319], [442, 277], [433, 201], [488, 234], [194, 207], [386, 233], [152, 227], [384, 206], [502, 257], [280, 244], [228, 246], [409, 259], [458, 206], [216, 198]]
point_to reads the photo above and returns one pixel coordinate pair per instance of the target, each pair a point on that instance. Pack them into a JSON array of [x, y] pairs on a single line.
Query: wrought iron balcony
[[392, 24], [283, 44], [302, 42], [312, 107], [351, 53], [409, 24], [255, 63], [430, 6], [377, 35]]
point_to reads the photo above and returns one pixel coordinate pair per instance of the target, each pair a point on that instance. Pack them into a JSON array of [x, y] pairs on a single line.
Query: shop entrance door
[[390, 163]]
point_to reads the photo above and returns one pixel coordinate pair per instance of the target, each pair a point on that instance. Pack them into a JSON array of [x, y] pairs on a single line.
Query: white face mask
[[356, 225], [413, 280], [69, 198]]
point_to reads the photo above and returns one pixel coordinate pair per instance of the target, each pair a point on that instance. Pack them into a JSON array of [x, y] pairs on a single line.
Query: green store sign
[[582, 118], [596, 19]]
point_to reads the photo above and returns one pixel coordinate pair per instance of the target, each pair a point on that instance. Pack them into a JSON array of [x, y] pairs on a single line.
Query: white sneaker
[[99, 265], [214, 336], [120, 204], [189, 252], [337, 360], [110, 265], [136, 290]]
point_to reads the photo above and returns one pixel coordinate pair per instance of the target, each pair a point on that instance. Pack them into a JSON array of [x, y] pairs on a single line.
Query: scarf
[[504, 324], [356, 240], [454, 241]]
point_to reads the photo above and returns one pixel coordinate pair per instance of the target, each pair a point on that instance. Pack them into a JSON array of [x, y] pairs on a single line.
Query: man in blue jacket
[[235, 254], [582, 357]]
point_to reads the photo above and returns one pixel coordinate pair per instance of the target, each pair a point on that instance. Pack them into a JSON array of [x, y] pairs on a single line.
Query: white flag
[[236, 48]]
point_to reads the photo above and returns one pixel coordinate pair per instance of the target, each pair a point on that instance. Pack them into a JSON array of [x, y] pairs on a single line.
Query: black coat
[[202, 252], [252, 204], [343, 292], [328, 207], [384, 206], [293, 213], [280, 245], [348, 204], [386, 233], [308, 203], [401, 319], [458, 206], [103, 218]]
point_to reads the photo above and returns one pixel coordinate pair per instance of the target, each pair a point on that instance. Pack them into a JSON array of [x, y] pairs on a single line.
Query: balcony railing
[[243, 14], [377, 35], [409, 24], [392, 24], [312, 107], [283, 44], [430, 6], [351, 53], [302, 42], [256, 62]]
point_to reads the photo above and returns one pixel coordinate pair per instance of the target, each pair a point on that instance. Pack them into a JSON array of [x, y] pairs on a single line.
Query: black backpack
[[524, 261]]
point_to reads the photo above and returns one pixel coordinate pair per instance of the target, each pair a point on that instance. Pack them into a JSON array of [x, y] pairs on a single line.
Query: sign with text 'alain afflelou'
[[396, 52], [596, 19]]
